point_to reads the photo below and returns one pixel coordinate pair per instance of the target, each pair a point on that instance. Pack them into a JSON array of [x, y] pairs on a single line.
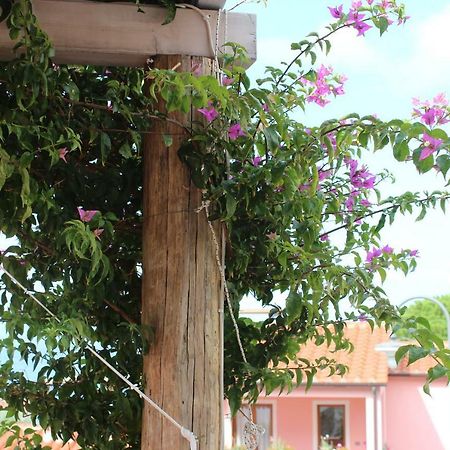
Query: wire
[[187, 434]]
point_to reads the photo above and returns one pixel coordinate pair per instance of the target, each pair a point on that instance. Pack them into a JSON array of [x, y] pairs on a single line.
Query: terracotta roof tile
[[366, 364]]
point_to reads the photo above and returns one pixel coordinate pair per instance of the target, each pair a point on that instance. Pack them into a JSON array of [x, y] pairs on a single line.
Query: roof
[[366, 364]]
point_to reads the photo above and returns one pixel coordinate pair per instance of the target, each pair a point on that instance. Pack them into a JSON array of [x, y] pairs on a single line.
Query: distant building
[[373, 407]]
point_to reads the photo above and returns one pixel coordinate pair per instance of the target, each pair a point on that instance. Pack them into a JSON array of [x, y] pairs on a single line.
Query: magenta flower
[[414, 253], [387, 250], [440, 99], [350, 201], [227, 81], [430, 145], [265, 107], [324, 237], [429, 116], [62, 154], [374, 253], [336, 12], [86, 216], [209, 113], [365, 202], [361, 27], [324, 174], [256, 161], [235, 131]]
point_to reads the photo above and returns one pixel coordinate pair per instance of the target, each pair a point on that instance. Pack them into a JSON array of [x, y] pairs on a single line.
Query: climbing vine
[[303, 218]]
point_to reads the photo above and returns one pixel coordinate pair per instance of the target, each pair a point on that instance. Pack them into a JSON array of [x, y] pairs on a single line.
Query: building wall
[[295, 421], [414, 421]]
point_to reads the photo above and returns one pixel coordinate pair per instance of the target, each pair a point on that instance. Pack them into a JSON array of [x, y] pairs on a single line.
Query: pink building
[[373, 407]]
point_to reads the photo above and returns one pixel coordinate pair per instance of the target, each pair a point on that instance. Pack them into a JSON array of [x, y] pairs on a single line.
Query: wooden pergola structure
[[182, 296]]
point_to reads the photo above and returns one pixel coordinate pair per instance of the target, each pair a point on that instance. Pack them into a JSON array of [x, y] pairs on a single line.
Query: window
[[263, 416], [331, 424]]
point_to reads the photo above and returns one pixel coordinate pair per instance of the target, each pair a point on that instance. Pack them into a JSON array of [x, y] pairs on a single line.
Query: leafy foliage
[[303, 218], [429, 311]]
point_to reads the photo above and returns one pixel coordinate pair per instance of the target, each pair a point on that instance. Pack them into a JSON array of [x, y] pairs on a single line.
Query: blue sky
[[384, 74]]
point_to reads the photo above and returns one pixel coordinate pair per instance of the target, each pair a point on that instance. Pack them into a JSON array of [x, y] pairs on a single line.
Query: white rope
[[206, 18], [187, 434], [252, 432]]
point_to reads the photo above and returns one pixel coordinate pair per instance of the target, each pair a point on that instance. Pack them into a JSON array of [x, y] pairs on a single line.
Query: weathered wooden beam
[[182, 293], [86, 32]]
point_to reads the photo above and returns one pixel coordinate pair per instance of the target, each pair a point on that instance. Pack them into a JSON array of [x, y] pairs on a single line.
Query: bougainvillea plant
[[303, 218]]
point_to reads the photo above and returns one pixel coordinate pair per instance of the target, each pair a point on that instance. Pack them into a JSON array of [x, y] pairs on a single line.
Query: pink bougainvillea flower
[[336, 12], [227, 81], [324, 174], [414, 252], [429, 116], [256, 161], [387, 250], [440, 99], [265, 107], [324, 237], [235, 131], [365, 202], [430, 145], [62, 154], [87, 216], [361, 27], [350, 201], [97, 232], [209, 113], [372, 254]]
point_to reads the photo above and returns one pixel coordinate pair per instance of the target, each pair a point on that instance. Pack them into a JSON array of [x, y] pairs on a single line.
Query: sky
[[384, 74]]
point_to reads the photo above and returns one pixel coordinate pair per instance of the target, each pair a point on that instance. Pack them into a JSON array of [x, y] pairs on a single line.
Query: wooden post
[[181, 295]]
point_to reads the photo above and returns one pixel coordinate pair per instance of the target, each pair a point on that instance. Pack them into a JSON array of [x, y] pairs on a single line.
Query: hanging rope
[[185, 433], [252, 432]]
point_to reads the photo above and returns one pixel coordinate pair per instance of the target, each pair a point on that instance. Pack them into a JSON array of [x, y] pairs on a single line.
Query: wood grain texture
[[181, 297]]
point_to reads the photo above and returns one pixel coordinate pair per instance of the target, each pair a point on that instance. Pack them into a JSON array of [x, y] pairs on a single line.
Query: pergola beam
[[116, 34]]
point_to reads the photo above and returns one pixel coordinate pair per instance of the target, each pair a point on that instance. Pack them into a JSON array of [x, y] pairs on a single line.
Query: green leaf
[[231, 205], [294, 306], [401, 352], [415, 353], [401, 151]]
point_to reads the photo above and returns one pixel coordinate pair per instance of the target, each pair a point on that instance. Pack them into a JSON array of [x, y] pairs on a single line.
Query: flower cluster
[[432, 113], [429, 145], [324, 85], [358, 20], [360, 179], [377, 252]]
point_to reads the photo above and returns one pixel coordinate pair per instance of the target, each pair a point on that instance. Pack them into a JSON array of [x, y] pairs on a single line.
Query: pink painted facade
[[384, 408], [297, 430], [412, 418]]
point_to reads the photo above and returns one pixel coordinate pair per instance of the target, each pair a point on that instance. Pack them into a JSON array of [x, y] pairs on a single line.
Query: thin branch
[[120, 311], [378, 211]]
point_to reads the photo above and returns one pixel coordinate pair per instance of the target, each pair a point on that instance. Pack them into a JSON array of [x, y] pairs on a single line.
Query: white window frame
[[315, 413]]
